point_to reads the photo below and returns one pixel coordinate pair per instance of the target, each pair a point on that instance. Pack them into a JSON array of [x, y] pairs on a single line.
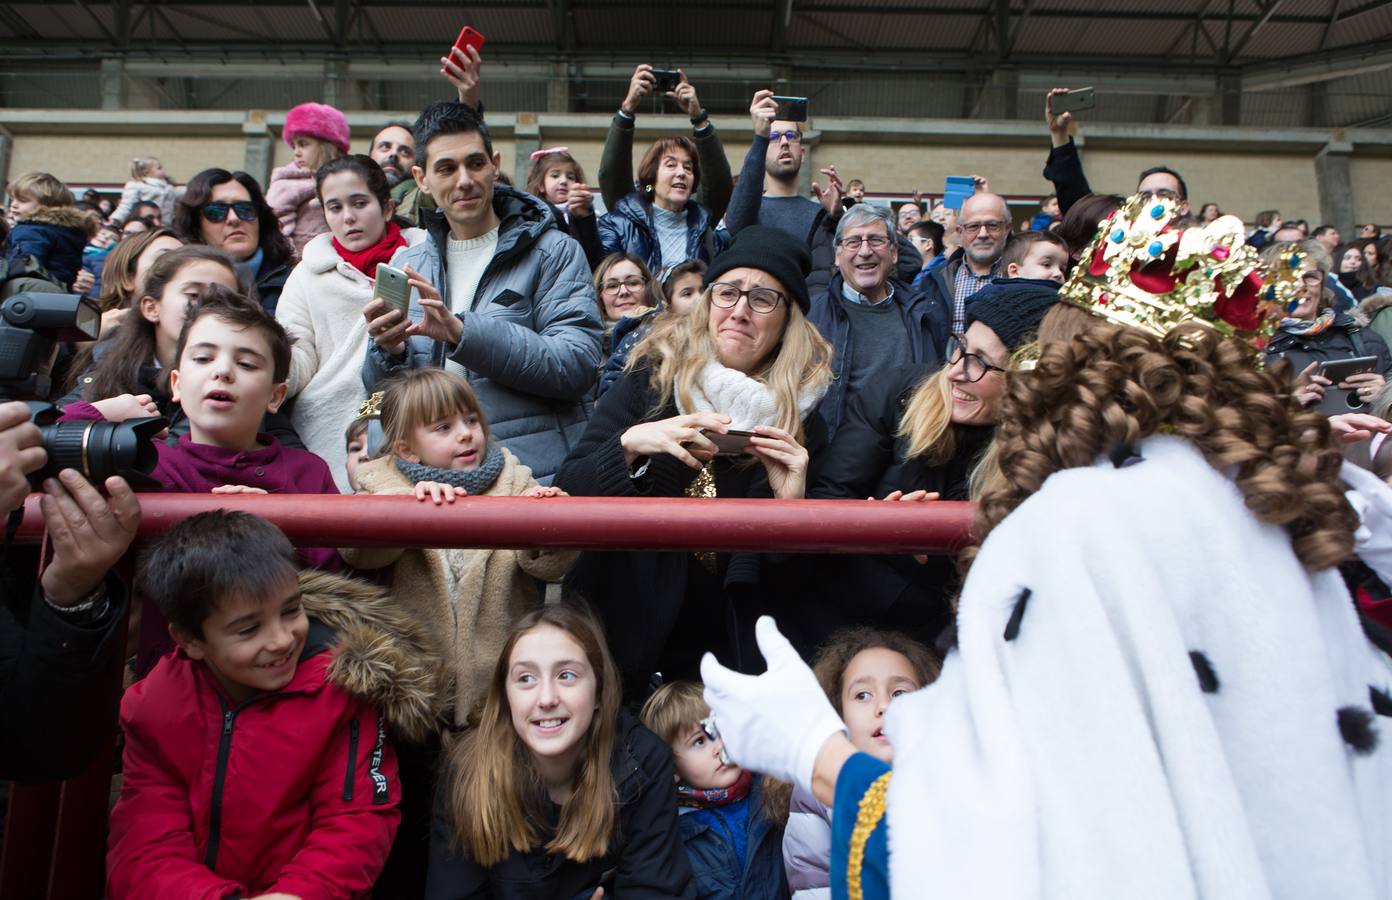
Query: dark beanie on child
[[768, 250], [1012, 308]]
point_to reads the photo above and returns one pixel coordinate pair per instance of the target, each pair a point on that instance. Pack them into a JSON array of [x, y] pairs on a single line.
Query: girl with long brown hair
[[555, 790], [1160, 676]]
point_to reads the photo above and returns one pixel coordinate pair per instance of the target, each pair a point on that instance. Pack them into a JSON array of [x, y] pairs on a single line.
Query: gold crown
[[1143, 271], [371, 407]]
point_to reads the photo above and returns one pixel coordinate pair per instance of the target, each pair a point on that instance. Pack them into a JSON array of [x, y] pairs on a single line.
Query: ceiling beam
[[1267, 14], [101, 26]]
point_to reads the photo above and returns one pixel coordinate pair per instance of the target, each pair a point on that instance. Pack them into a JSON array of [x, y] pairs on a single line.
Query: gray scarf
[[475, 481]]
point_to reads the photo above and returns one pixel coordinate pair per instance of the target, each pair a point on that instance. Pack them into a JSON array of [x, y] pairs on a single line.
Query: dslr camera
[[32, 324]]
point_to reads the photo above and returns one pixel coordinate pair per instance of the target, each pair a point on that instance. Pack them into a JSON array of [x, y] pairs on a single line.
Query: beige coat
[[494, 587]]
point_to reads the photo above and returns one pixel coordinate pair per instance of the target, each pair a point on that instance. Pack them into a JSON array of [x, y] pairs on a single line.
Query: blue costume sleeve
[[855, 779]]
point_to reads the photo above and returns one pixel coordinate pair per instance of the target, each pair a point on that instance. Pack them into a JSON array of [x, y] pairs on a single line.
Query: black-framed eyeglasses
[[634, 285], [793, 137], [877, 242], [974, 366], [762, 300], [216, 211]]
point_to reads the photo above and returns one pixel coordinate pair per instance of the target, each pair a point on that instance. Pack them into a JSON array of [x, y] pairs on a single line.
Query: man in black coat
[[60, 633]]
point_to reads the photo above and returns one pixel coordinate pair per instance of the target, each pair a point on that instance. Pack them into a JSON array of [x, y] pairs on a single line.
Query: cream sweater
[[321, 308]]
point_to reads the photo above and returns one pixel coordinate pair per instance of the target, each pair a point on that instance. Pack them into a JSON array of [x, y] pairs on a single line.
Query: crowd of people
[[323, 722]]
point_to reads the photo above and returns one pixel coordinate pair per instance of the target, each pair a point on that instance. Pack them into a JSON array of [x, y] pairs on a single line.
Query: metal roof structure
[[952, 58]]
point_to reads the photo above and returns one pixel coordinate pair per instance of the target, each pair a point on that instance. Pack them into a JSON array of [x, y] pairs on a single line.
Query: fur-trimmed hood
[[1375, 303], [383, 655], [84, 221]]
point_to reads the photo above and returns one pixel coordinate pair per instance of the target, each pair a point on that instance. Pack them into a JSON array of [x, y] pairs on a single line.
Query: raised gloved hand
[[774, 723]]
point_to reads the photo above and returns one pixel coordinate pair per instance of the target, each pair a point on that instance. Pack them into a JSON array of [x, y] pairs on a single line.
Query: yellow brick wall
[[88, 159], [1372, 189]]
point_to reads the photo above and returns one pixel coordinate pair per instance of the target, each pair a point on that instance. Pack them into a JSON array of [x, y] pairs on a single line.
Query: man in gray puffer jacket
[[500, 295]]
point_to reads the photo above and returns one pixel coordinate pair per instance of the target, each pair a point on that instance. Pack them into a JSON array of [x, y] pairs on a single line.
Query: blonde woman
[[921, 436], [744, 359]]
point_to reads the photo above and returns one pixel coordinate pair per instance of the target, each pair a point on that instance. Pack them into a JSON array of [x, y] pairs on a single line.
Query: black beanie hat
[[769, 250], [1012, 307]]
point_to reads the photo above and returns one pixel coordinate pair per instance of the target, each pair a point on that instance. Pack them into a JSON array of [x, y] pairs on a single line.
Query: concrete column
[[1230, 98], [810, 139], [1317, 104], [113, 83], [340, 90], [1334, 186], [6, 151], [259, 147], [558, 88], [526, 141]]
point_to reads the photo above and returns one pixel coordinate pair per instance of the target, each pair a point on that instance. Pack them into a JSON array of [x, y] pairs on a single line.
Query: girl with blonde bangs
[[437, 447], [718, 402], [594, 790]]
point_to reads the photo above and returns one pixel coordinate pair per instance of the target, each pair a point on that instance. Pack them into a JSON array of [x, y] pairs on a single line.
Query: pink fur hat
[[317, 120]]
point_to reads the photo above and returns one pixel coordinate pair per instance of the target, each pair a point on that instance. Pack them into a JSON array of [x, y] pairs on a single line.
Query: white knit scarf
[[746, 401]]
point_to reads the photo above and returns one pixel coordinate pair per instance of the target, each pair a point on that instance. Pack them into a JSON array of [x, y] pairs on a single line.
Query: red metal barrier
[[54, 834], [592, 523]]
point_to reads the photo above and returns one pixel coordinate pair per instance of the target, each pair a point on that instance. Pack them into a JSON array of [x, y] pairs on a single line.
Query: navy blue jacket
[[714, 862], [629, 228], [56, 237], [926, 321]]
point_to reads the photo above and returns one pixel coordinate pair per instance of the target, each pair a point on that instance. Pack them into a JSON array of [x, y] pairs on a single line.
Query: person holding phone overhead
[[1312, 332], [322, 304], [670, 214], [746, 359]]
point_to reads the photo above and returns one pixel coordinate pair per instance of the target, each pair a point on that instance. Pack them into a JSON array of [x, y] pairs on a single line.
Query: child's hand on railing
[[546, 492], [438, 492]]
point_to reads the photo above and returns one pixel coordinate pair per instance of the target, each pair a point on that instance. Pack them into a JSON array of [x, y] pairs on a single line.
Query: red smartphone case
[[468, 37]]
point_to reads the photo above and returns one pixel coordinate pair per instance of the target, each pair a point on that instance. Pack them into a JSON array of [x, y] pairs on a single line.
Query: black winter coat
[[868, 458], [60, 682], [585, 231], [661, 609], [1345, 339], [646, 861], [1065, 169]]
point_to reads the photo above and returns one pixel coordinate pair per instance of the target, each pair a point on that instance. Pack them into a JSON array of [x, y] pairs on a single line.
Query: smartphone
[[667, 80], [1075, 100], [957, 189], [392, 287], [731, 443], [791, 109], [1336, 401], [468, 37]]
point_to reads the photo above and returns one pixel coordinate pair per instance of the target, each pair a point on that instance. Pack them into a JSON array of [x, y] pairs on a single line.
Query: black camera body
[[32, 324]]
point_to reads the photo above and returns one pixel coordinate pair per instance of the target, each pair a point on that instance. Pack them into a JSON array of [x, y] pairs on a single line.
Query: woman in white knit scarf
[[744, 359]]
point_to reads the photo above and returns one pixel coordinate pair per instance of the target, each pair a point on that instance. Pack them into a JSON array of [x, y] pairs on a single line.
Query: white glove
[[774, 723], [1371, 498]]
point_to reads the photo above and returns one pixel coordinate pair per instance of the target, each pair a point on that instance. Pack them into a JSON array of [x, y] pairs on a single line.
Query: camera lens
[[101, 449]]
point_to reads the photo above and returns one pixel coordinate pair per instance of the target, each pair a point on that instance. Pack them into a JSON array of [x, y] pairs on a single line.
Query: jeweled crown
[[1144, 271]]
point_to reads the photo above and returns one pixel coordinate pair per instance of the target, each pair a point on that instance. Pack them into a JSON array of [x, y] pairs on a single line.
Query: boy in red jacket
[[249, 768]]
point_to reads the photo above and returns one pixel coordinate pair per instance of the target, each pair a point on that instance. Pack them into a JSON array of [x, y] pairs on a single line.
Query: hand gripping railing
[[55, 834]]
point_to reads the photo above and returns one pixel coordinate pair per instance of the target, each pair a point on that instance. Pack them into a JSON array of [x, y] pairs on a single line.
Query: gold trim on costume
[[872, 810]]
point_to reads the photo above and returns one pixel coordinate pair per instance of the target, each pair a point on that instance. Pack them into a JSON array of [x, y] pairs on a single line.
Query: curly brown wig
[[1111, 387]]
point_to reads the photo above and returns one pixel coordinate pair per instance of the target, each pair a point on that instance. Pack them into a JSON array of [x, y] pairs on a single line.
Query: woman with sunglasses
[[920, 436], [227, 210], [1312, 332], [744, 360]]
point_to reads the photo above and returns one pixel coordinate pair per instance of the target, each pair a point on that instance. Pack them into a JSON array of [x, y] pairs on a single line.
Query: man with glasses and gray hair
[[875, 323], [983, 227]]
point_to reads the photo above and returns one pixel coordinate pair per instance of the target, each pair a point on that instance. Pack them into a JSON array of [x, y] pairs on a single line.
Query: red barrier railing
[[55, 834], [580, 523]]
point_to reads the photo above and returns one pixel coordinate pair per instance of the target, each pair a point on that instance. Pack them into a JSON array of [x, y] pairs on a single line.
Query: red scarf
[[365, 261], [708, 797]]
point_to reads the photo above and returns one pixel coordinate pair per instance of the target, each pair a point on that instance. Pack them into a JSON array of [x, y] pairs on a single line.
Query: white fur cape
[[1083, 759]]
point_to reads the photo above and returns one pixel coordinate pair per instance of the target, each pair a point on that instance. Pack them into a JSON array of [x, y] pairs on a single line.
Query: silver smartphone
[[393, 287], [1075, 100]]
